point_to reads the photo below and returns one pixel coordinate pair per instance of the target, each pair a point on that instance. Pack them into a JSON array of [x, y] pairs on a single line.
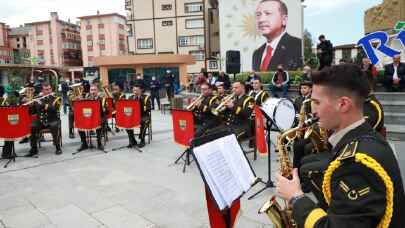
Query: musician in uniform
[[47, 109], [362, 185], [258, 94], [202, 110], [117, 94], [221, 93], [241, 109], [305, 93], [94, 95], [145, 103], [74, 94]]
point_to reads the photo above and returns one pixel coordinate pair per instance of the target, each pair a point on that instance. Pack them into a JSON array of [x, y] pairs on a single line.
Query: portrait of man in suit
[[280, 47]]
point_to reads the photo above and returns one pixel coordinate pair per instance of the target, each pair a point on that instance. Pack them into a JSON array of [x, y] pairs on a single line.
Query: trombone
[[193, 104]]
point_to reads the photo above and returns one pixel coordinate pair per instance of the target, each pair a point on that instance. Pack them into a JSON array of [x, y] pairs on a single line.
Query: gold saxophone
[[318, 137], [282, 216], [299, 133]]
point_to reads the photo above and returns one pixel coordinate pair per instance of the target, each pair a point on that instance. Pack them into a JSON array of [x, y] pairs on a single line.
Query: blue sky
[[340, 20]]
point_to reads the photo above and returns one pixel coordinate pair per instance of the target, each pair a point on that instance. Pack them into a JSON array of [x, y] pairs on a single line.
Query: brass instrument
[[38, 99], [107, 92], [301, 121], [282, 217], [318, 137], [193, 104], [77, 91], [221, 107]]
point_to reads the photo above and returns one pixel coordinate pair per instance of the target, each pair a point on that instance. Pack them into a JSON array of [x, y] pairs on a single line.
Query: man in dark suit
[[325, 53], [394, 74], [280, 47]]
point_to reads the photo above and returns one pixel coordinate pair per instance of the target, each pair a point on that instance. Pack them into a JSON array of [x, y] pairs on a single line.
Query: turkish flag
[[217, 218], [261, 142], [128, 114], [87, 114], [15, 122], [183, 126], [110, 110]]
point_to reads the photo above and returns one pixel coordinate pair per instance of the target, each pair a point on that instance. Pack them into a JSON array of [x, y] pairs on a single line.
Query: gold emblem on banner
[[87, 112], [183, 124], [13, 119], [128, 111]]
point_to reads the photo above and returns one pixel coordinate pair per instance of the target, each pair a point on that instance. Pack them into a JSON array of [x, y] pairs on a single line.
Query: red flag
[[216, 217], [87, 114], [128, 114], [261, 143], [183, 126], [15, 122], [110, 110]]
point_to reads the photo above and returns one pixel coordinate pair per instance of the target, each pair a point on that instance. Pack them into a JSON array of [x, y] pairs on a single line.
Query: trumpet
[[193, 104], [221, 107], [77, 91]]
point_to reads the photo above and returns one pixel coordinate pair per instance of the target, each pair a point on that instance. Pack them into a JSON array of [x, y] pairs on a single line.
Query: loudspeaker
[[233, 62]]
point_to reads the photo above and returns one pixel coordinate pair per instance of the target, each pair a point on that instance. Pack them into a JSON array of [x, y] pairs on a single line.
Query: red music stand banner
[[215, 215], [261, 143], [15, 123], [183, 126], [110, 108], [128, 114], [87, 114]]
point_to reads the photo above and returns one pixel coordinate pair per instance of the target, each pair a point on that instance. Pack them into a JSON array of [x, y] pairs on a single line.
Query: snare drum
[[281, 111]]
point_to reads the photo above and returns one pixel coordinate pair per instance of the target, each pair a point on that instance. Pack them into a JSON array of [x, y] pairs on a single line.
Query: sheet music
[[225, 169]]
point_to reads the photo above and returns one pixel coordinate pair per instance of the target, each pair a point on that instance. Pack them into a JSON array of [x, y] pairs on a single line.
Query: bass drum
[[281, 111]]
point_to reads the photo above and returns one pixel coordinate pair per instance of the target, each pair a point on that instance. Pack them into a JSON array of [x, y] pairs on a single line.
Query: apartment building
[[5, 49], [19, 42], [55, 42], [175, 27], [102, 35]]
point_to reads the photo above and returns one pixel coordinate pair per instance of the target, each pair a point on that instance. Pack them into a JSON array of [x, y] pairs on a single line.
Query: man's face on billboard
[[269, 19]]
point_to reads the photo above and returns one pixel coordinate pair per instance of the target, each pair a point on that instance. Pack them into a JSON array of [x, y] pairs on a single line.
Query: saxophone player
[[201, 108], [94, 95], [145, 103], [48, 112], [362, 184]]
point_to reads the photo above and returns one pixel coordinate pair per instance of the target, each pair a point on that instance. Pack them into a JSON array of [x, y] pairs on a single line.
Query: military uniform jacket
[[362, 186], [374, 113], [144, 103], [203, 113], [242, 110], [260, 97], [298, 103], [49, 109]]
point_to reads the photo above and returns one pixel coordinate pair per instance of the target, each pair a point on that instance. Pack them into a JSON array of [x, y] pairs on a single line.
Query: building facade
[[102, 35], [5, 49], [174, 27], [19, 42], [55, 42]]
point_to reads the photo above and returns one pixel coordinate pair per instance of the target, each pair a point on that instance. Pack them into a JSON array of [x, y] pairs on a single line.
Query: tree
[[309, 57]]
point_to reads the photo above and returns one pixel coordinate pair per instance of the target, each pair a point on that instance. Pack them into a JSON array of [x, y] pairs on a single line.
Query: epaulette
[[349, 151]]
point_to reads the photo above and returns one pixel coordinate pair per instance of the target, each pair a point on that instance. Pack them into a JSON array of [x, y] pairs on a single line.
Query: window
[[100, 26], [102, 46], [40, 42], [347, 55], [90, 58], [89, 48], [166, 6], [194, 23], [101, 37], [145, 43], [89, 37], [193, 7], [89, 43], [39, 32], [197, 55], [18, 45], [185, 41], [88, 27], [121, 26], [129, 26], [18, 39], [167, 23], [101, 42], [121, 37]]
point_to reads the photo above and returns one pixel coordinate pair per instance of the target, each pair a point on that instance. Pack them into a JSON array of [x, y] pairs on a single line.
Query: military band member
[[258, 94], [305, 93], [374, 113], [221, 93], [202, 110], [117, 94], [240, 109], [154, 86], [145, 103], [362, 185], [48, 111], [94, 95], [74, 94]]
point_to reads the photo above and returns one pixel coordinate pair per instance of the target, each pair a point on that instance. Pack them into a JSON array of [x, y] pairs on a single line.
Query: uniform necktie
[[267, 59]]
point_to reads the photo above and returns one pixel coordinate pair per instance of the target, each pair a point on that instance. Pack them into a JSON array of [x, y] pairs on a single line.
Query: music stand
[[270, 125], [183, 128]]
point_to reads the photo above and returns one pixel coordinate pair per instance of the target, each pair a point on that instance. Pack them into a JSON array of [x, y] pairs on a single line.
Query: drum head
[[281, 111]]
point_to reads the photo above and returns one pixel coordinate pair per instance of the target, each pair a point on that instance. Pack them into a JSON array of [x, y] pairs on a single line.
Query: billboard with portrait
[[266, 32]]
